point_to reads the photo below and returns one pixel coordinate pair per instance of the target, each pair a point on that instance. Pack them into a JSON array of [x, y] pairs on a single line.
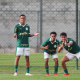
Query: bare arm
[[35, 34], [60, 48], [68, 44], [42, 47], [15, 35], [31, 35]]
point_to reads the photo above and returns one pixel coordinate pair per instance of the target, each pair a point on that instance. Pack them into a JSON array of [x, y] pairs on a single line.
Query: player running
[[73, 50], [22, 32], [50, 46]]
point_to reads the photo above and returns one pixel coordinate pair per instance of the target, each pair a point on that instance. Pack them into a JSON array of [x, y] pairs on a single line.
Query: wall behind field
[[58, 15]]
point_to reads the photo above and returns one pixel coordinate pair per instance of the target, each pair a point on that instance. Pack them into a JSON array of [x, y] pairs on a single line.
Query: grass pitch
[[36, 68]]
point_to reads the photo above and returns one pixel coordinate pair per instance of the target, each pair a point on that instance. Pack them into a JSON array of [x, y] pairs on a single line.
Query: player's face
[[63, 38], [53, 36], [22, 19]]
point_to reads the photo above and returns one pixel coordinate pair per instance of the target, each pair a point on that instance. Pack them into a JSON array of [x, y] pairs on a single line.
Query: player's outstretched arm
[[60, 48], [42, 47], [35, 34], [15, 35]]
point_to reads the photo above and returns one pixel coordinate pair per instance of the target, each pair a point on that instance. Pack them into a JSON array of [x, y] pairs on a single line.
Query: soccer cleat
[[66, 73], [47, 73], [15, 74], [55, 73], [28, 74]]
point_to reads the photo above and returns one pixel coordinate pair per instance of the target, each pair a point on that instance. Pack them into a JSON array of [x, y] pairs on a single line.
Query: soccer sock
[[65, 70], [47, 69], [27, 69], [55, 69], [15, 67]]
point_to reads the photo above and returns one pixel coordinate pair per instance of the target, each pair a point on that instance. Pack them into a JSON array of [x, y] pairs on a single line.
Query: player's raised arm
[[35, 34], [60, 48]]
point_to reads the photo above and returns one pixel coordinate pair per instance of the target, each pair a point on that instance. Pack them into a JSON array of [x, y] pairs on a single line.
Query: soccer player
[[50, 45], [22, 32], [73, 50]]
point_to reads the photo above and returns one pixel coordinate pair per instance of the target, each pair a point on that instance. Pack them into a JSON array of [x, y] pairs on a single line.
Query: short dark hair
[[63, 34], [22, 15], [53, 33]]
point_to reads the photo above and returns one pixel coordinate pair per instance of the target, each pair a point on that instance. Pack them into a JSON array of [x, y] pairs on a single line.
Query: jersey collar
[[51, 42], [21, 25]]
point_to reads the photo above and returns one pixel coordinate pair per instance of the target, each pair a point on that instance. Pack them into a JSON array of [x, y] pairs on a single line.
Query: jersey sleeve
[[29, 30], [57, 41], [60, 44], [70, 39], [15, 29], [45, 43]]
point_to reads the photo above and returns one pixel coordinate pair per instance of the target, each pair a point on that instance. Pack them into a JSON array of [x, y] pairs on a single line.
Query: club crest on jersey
[[55, 46], [68, 45], [26, 28]]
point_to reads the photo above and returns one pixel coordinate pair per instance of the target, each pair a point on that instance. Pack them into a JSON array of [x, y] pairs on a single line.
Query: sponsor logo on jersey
[[24, 33]]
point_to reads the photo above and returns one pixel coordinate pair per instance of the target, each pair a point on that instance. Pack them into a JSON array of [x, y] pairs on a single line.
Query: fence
[[43, 16]]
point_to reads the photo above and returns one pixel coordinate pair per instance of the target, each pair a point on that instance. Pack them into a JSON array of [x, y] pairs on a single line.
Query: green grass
[[36, 59], [37, 68], [39, 77]]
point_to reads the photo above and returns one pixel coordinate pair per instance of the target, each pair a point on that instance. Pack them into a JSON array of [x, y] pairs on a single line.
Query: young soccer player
[[50, 46], [73, 50], [22, 32]]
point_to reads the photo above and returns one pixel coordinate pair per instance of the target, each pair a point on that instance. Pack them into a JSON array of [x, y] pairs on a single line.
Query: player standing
[[50, 46], [73, 50], [22, 32]]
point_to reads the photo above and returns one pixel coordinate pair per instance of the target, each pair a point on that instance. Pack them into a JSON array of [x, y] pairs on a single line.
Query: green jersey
[[22, 35], [52, 46], [74, 48]]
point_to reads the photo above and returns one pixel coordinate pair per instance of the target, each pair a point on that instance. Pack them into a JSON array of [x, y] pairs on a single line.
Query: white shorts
[[46, 55], [20, 51], [71, 56]]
